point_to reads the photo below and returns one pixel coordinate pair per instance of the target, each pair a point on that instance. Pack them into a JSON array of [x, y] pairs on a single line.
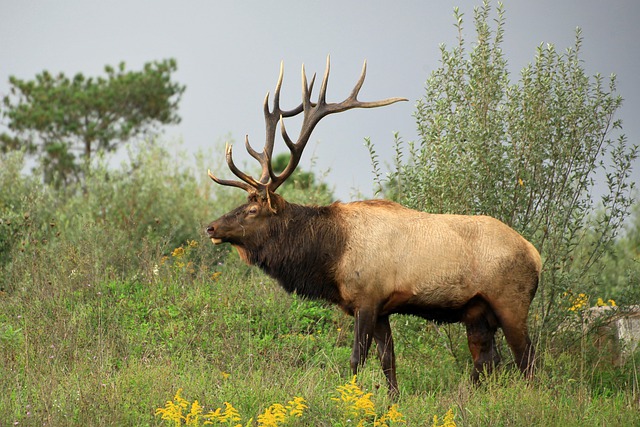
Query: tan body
[[397, 256]]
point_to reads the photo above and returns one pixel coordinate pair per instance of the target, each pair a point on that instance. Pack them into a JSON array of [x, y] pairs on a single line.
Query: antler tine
[[352, 99], [272, 117], [230, 183], [263, 158], [250, 185], [322, 97], [237, 172]]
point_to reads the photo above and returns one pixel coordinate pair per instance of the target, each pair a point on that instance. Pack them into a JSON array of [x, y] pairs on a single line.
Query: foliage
[[64, 121], [528, 153], [26, 219], [620, 270], [148, 204]]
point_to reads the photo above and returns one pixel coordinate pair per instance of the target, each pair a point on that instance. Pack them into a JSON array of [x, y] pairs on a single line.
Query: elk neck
[[300, 250]]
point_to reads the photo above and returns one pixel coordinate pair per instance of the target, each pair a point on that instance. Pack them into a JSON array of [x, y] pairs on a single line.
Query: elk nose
[[210, 230]]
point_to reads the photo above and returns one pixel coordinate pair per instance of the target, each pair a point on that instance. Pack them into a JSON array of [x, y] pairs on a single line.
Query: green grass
[[110, 352]]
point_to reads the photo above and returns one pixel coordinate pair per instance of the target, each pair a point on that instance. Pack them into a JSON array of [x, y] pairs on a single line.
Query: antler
[[313, 113]]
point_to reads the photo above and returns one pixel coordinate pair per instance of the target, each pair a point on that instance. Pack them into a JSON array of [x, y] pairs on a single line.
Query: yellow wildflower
[[193, 417], [277, 414], [448, 420], [227, 416], [296, 406], [178, 252], [355, 402], [273, 416], [579, 302], [173, 411], [393, 415]]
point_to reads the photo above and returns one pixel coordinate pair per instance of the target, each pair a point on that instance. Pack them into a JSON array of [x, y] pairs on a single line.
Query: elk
[[375, 258]]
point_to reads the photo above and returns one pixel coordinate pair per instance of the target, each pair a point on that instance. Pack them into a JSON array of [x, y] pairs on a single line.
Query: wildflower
[[278, 414], [172, 411], [228, 416], [355, 402], [393, 415], [296, 406], [178, 252], [273, 416], [216, 275], [192, 244], [194, 415], [447, 421], [579, 302]]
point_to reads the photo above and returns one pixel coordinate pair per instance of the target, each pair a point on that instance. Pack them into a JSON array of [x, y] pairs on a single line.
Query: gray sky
[[229, 53]]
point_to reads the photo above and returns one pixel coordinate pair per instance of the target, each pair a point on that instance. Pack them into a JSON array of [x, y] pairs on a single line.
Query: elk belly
[[396, 299]]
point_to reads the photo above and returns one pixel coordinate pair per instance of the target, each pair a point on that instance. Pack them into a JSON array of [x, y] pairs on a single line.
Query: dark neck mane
[[301, 249]]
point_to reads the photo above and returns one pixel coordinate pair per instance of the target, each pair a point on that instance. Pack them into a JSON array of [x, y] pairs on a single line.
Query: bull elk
[[375, 258]]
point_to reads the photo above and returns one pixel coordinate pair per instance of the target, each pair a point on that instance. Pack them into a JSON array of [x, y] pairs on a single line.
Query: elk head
[[263, 202]]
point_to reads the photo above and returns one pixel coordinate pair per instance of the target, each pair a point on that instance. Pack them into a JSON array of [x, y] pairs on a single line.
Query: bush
[[115, 226]]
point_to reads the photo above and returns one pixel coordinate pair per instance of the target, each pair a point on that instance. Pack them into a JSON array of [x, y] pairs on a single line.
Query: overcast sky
[[229, 52]]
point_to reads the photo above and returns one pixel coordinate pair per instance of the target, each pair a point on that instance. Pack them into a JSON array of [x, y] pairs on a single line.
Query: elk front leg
[[365, 321], [384, 341]]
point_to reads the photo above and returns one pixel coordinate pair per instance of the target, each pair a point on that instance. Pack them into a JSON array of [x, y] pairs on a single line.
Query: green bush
[[117, 225]]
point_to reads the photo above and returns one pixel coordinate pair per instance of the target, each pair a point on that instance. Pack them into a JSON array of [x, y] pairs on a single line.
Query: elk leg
[[481, 326], [517, 336], [365, 320], [523, 352], [483, 349], [384, 342]]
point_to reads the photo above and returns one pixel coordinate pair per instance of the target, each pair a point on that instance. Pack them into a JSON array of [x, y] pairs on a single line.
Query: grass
[[111, 352], [111, 302]]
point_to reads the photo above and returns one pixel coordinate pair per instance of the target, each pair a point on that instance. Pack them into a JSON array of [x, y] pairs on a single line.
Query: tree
[[63, 121], [527, 153]]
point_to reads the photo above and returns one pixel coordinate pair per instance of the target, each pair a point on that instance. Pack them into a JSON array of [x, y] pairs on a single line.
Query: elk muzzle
[[211, 231]]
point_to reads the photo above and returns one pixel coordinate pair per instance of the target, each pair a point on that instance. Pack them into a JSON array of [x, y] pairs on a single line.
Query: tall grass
[[112, 299]]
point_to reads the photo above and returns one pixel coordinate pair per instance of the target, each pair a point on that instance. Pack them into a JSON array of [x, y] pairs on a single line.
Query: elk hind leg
[[481, 324], [517, 336]]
